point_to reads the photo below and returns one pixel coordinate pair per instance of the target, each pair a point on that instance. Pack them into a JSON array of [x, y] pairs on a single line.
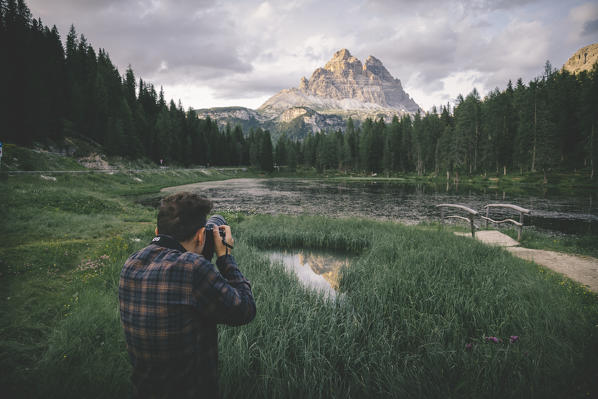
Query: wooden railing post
[[522, 213], [470, 216]]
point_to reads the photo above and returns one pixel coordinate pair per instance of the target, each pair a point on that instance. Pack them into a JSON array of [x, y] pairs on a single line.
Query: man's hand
[[219, 247]]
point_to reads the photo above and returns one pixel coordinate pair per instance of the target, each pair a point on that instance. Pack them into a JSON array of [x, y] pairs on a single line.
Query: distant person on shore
[[171, 298]]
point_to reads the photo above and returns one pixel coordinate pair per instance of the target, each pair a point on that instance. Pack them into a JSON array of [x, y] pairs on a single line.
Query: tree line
[[51, 91], [549, 124]]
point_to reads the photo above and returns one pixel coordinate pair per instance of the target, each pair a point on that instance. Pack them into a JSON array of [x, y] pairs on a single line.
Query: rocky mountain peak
[[345, 86], [303, 84], [375, 66], [343, 64], [342, 54], [583, 59]]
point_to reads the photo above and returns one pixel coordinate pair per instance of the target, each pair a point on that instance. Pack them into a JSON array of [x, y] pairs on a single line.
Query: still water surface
[[317, 270], [556, 212]]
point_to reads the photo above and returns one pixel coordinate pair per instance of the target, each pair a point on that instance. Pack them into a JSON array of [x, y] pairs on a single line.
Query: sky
[[212, 53]]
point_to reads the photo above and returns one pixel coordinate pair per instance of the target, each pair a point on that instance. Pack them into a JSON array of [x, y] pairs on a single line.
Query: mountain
[[583, 59], [346, 86], [245, 117], [343, 88]]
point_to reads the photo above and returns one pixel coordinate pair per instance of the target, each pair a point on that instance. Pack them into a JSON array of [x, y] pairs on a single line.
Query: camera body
[[213, 222]]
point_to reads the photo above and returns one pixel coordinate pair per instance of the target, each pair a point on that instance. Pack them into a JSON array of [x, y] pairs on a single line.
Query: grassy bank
[[54, 230], [579, 245], [572, 244], [415, 301]]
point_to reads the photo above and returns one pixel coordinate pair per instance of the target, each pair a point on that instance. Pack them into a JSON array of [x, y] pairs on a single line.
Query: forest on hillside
[[52, 90]]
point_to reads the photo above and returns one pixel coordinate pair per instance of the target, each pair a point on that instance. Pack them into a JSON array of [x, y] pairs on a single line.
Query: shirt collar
[[167, 241]]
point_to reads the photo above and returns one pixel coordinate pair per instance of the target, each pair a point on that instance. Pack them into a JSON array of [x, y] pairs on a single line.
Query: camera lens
[[213, 221]]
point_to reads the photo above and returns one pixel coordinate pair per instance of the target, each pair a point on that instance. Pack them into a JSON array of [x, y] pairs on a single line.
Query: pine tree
[[266, 162], [589, 118], [130, 88], [163, 139]]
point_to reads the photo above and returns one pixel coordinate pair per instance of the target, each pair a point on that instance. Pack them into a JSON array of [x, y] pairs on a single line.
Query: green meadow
[[419, 317]]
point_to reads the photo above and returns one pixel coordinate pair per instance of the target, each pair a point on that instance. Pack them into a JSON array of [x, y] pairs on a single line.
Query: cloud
[[590, 27], [584, 20], [432, 6], [519, 51], [223, 51], [196, 37]]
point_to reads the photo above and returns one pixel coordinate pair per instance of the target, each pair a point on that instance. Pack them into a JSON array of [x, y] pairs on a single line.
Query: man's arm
[[224, 297]]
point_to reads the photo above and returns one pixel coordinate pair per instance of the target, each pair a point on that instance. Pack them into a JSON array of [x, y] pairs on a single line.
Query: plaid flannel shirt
[[170, 303]]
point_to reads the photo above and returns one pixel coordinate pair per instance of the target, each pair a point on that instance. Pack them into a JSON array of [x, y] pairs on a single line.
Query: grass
[[19, 158], [414, 299], [580, 245], [50, 229], [534, 239]]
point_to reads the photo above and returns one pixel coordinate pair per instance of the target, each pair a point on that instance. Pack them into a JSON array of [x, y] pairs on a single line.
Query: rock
[[583, 59], [303, 84], [345, 84], [94, 161], [49, 178], [291, 114]]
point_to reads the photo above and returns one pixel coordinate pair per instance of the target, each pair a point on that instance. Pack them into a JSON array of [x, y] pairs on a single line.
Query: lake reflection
[[316, 270]]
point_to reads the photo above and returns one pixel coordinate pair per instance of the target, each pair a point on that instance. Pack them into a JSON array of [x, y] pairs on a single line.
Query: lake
[[409, 203]]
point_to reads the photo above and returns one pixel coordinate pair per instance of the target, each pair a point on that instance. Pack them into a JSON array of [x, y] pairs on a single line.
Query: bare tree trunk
[[535, 130], [475, 149], [592, 153]]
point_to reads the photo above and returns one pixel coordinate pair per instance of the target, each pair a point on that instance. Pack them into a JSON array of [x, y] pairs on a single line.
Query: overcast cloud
[[211, 53]]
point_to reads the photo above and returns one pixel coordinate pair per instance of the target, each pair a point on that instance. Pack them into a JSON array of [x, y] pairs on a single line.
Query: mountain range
[[345, 87]]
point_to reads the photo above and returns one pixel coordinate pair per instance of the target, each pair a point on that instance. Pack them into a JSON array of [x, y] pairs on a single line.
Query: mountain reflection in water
[[317, 270]]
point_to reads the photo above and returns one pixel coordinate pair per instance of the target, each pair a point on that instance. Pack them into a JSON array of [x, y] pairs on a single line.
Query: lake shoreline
[[557, 221]]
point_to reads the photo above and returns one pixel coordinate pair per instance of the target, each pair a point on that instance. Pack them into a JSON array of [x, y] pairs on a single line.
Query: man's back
[[170, 303]]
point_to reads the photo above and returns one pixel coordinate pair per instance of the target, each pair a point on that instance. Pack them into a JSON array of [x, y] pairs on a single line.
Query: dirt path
[[583, 269]]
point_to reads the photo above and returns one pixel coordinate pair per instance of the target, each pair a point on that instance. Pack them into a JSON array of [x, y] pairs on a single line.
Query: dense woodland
[[51, 91]]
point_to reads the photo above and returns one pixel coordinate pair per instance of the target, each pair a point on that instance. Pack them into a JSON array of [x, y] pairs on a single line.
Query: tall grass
[[414, 302], [415, 299], [48, 229]]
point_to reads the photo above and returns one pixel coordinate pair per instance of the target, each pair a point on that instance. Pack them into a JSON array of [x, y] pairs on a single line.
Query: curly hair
[[182, 214]]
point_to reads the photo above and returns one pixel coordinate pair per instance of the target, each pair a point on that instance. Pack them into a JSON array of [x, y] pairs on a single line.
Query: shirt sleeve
[[223, 296]]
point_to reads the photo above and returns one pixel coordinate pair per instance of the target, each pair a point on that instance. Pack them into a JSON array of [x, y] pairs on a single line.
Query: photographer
[[171, 298]]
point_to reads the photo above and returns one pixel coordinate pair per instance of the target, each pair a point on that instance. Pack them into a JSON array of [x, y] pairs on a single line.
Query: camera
[[213, 222]]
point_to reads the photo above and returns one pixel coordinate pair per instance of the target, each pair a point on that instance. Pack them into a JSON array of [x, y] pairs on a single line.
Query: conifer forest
[[52, 90]]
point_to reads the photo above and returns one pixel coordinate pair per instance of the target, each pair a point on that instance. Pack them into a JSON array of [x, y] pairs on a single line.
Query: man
[[171, 299]]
